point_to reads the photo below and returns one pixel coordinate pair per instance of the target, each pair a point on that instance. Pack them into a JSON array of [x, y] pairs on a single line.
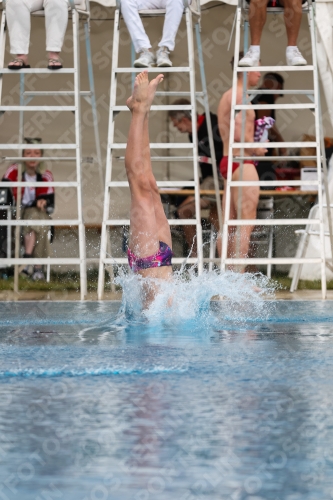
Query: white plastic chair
[[309, 230]]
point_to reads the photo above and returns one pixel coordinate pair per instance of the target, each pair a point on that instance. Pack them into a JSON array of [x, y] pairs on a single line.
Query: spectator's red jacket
[[46, 193]]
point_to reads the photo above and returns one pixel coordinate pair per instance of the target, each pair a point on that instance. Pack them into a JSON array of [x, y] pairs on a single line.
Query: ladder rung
[[159, 183], [306, 105], [273, 260], [268, 145], [115, 260], [158, 107], [37, 108], [40, 146], [152, 12], [267, 69], [312, 233], [280, 10], [43, 93], [160, 145], [36, 71], [126, 222], [172, 158], [274, 183], [175, 93], [42, 261], [51, 222], [44, 158], [167, 158], [280, 91], [183, 260], [39, 184], [180, 69], [272, 222], [275, 158]]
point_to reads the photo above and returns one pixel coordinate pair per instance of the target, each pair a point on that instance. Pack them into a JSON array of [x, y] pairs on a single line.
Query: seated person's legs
[[186, 210], [174, 12], [19, 24], [257, 19], [141, 42], [36, 241], [56, 18], [293, 19], [18, 20]]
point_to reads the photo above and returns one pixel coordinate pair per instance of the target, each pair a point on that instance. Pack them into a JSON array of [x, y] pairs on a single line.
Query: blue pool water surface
[[234, 404]]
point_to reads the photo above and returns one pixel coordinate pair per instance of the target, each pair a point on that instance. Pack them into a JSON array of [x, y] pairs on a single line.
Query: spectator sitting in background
[[18, 19], [271, 81], [142, 46], [37, 204], [186, 207], [292, 20]]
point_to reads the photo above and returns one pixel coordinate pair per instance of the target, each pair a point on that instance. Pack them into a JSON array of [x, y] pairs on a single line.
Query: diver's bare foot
[[152, 87], [139, 98]]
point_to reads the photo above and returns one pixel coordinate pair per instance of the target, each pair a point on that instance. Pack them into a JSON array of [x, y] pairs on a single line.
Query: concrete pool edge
[[34, 295]]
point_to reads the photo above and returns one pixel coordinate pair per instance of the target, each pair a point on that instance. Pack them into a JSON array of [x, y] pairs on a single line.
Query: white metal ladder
[[77, 12], [112, 146], [320, 158]]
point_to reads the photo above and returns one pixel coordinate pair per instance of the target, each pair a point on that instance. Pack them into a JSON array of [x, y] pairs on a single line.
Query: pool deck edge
[[35, 295]]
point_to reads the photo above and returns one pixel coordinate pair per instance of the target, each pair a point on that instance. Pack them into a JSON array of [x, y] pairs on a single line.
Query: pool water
[[237, 406]]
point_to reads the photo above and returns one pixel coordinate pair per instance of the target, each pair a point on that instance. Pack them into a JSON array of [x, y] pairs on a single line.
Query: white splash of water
[[188, 297]]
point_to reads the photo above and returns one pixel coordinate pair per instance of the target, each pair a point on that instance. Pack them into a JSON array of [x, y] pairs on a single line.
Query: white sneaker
[[162, 57], [145, 60], [294, 57], [251, 58], [38, 276]]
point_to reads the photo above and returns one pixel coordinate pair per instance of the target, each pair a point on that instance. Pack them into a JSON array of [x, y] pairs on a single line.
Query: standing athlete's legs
[[145, 212], [250, 198]]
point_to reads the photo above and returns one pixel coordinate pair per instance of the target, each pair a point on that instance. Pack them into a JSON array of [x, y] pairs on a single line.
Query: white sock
[[291, 48], [255, 48]]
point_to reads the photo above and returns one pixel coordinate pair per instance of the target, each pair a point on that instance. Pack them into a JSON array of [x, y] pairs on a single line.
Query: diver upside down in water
[[150, 244]]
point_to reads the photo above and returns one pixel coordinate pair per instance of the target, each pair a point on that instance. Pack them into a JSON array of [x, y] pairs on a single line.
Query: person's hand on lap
[[41, 204]]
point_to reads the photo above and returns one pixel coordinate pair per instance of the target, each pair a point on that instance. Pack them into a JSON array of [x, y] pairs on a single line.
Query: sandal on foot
[[21, 64], [54, 64]]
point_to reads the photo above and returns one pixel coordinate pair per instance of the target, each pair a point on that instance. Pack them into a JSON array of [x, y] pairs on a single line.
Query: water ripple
[[104, 371]]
